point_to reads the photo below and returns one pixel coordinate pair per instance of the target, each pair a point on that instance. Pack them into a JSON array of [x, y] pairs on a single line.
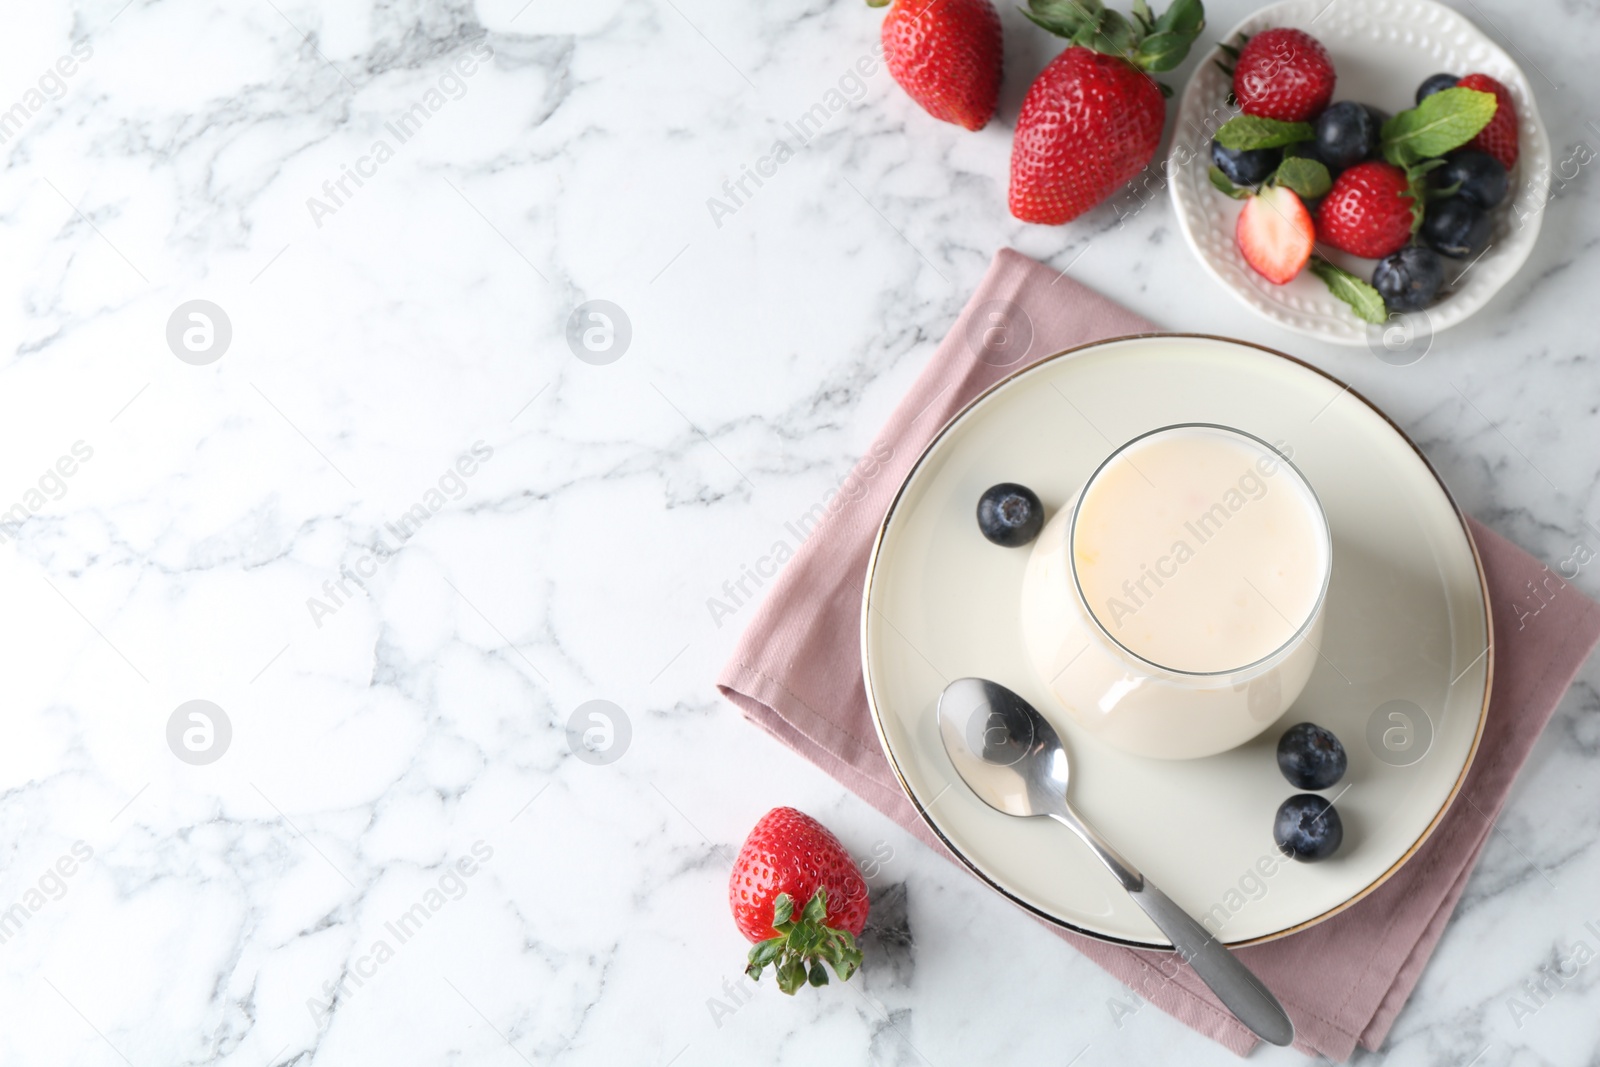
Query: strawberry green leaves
[[803, 945], [1151, 43], [1067, 18], [1245, 132], [1307, 177], [1448, 119], [1363, 299], [1162, 51], [1185, 17], [1174, 32], [1232, 52]]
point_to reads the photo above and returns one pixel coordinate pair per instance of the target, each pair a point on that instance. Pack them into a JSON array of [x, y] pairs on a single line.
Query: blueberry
[[1456, 227], [1478, 176], [1408, 279], [1310, 757], [1307, 828], [1434, 84], [1247, 166], [1010, 515], [1346, 134], [1379, 116]]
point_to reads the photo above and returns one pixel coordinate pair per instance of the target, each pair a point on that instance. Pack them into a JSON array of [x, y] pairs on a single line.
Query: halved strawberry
[[1499, 138], [1275, 233]]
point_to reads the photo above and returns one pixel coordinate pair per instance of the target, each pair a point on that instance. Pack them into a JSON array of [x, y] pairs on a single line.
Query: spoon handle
[[1233, 983]]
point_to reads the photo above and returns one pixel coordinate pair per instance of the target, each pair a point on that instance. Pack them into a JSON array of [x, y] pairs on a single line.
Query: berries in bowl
[[1424, 188]]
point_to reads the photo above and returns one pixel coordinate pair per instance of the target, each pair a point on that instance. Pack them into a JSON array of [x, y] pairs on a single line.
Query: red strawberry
[[796, 892], [1089, 123], [1283, 74], [1092, 119], [1370, 211], [1275, 233], [946, 56], [1499, 138]]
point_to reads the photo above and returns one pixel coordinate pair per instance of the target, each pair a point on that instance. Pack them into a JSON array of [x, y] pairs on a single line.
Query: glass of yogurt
[[1174, 606]]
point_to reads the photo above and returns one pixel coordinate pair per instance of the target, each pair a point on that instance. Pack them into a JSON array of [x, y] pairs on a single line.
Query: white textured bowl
[[1381, 49]]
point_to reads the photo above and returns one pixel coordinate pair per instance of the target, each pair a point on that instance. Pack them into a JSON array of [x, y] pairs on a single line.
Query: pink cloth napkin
[[796, 672]]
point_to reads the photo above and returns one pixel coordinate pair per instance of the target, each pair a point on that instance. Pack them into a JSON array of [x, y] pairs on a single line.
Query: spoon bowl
[[1005, 751], [1013, 760]]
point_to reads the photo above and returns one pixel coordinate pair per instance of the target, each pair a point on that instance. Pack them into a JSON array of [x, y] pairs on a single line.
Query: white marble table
[[408, 726]]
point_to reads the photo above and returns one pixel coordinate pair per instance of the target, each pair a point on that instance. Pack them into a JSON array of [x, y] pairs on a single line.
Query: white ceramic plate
[[1407, 622], [1381, 50]]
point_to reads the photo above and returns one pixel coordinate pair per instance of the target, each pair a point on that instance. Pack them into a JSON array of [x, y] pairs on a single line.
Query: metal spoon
[[1014, 761]]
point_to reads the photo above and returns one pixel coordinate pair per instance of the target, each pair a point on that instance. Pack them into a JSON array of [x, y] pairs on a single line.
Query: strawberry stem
[[803, 945], [1153, 44]]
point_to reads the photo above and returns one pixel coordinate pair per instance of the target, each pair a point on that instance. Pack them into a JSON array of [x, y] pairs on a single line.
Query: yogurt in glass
[[1175, 605]]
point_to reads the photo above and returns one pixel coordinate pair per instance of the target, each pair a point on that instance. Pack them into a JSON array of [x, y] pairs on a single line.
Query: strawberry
[[1371, 211], [1283, 74], [1499, 138], [946, 56], [1092, 119], [1275, 233], [796, 892]]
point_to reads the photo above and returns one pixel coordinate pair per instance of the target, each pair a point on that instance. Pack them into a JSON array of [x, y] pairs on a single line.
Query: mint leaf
[[1244, 132], [1220, 180], [1307, 177], [1362, 298], [1447, 119]]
